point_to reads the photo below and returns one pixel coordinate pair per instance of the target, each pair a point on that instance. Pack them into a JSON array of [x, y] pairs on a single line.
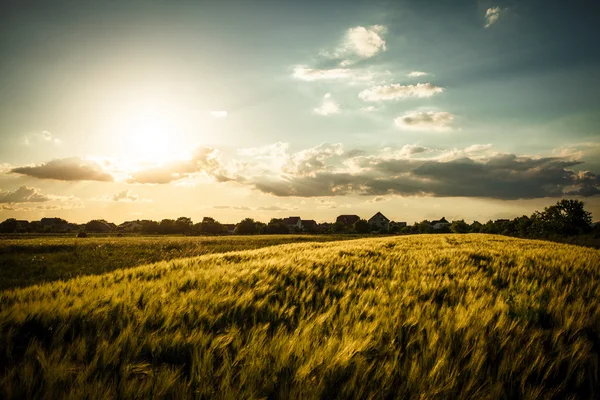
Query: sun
[[149, 137], [149, 132]]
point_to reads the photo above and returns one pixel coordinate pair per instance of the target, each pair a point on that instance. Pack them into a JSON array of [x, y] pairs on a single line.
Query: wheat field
[[436, 316]]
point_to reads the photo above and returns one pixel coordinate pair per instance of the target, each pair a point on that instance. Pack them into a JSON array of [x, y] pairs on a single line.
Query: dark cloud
[[67, 169], [500, 176], [24, 194]]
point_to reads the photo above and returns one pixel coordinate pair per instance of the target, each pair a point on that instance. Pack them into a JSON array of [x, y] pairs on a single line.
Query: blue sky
[[151, 109]]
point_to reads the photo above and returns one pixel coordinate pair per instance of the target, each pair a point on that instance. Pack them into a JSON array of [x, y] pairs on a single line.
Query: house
[[130, 226], [309, 225], [379, 222], [347, 220], [229, 228], [439, 223], [293, 223]]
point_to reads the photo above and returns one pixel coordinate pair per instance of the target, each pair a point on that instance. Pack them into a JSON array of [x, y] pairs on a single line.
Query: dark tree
[[149, 227], [475, 227], [567, 217], [361, 226], [276, 226], [167, 226], [210, 226], [184, 225], [423, 227], [246, 227], [459, 226], [8, 226]]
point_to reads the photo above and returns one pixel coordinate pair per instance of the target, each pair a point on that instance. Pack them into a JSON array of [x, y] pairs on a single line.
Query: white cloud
[[410, 149], [328, 107], [428, 120], [475, 148], [416, 74], [359, 43], [368, 109], [43, 137], [397, 91], [218, 114], [305, 73], [492, 15], [315, 74], [365, 42]]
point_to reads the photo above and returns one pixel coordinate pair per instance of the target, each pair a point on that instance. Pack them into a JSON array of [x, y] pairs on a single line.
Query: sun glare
[[150, 133]]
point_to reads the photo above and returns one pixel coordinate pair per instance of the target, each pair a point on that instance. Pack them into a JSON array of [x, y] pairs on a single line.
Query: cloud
[[310, 161], [219, 114], [326, 204], [416, 74], [308, 74], [204, 160], [126, 196], [428, 120], [365, 42], [328, 107], [492, 15], [67, 169], [475, 148], [359, 43], [410, 149], [45, 207], [327, 170], [43, 137], [24, 194], [261, 208], [397, 91], [379, 199], [315, 74]]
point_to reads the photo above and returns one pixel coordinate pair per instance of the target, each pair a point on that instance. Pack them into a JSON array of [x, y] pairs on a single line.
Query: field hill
[[435, 316]]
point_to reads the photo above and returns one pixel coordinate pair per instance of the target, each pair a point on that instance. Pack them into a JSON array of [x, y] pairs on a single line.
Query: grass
[[28, 260], [436, 316]]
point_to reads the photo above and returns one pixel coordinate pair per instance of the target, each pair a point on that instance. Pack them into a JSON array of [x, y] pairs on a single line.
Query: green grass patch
[[30, 260]]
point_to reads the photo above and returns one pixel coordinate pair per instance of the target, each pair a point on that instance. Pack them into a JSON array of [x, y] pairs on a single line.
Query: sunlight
[[150, 135], [149, 132]]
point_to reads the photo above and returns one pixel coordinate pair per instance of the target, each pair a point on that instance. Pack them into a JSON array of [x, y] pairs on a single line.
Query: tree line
[[565, 218]]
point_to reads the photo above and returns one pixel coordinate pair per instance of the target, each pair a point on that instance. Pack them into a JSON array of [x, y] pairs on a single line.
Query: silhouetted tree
[[423, 227], [361, 226], [8, 226], [184, 225], [211, 226], [459, 226], [475, 227], [246, 227], [338, 227], [167, 226], [276, 226], [149, 227]]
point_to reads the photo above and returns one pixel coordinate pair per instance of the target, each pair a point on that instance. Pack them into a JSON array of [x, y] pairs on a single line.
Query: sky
[[124, 110]]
